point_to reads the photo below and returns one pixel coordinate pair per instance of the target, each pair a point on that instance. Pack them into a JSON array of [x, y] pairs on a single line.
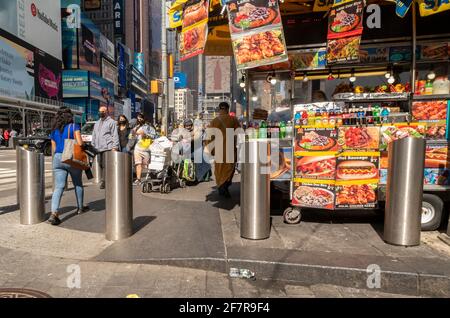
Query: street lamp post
[[164, 105]]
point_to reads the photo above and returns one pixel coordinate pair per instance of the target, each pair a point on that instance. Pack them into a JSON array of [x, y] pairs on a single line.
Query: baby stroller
[[161, 174]]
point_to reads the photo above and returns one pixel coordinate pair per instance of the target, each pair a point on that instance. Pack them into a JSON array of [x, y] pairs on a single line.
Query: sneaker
[[54, 219], [137, 182], [83, 210]]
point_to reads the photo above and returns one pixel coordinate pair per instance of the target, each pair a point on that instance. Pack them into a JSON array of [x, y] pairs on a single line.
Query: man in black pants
[[105, 138]]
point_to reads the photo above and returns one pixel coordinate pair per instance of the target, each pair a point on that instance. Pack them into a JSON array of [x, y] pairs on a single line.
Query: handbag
[[73, 154]]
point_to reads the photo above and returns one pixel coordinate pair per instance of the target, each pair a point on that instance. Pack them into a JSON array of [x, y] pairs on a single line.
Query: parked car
[[86, 131], [39, 141]]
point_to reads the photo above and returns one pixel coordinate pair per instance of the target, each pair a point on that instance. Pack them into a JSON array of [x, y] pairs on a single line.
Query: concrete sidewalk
[[193, 228]]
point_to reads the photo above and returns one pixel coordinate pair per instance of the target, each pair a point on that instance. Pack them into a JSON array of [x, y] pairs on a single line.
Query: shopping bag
[[188, 170], [73, 154]]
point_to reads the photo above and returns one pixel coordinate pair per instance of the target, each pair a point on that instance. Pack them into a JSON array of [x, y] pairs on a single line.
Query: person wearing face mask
[[124, 132], [105, 138], [143, 135]]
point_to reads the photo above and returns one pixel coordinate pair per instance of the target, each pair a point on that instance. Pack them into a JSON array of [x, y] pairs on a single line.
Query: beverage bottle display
[[332, 118], [289, 130], [325, 118], [305, 118], [282, 130], [297, 119], [369, 115], [376, 114], [385, 114], [318, 119], [339, 119], [428, 88], [262, 130], [311, 117], [361, 116]]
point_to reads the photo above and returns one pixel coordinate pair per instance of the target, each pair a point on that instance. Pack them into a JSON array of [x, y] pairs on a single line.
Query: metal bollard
[[97, 169], [402, 222], [31, 187], [119, 195], [18, 159], [255, 190]]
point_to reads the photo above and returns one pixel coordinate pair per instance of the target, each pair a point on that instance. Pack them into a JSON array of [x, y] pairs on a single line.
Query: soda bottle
[[318, 118], [289, 129], [297, 119], [262, 130], [385, 114], [282, 130], [376, 114], [305, 118]]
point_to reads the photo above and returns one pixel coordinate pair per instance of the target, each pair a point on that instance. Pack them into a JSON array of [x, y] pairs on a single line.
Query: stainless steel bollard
[[97, 169], [31, 187], [18, 158], [255, 190], [402, 222], [119, 195]]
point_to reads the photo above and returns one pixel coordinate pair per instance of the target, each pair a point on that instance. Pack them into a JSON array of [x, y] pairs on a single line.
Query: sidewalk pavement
[[193, 228]]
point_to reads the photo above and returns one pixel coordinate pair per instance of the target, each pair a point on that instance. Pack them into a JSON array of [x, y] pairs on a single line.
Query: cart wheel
[[292, 215], [432, 207], [149, 188], [182, 183], [167, 188], [144, 187]]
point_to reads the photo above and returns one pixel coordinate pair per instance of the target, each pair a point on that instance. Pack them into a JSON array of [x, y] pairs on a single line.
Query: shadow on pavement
[[97, 206], [141, 221], [222, 202]]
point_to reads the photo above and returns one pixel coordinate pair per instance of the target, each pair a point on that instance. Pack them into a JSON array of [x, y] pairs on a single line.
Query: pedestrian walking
[[6, 137], [64, 128], [12, 137], [105, 138], [143, 135], [224, 170], [124, 133]]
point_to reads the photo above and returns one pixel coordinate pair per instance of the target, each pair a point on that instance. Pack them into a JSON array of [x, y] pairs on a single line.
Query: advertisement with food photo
[[195, 11], [359, 138], [252, 14], [436, 176], [257, 49], [436, 51], [192, 41], [436, 131], [356, 196], [346, 20], [313, 195], [436, 156], [431, 110], [316, 139], [357, 167], [343, 50], [399, 131], [384, 160], [281, 170], [316, 167]]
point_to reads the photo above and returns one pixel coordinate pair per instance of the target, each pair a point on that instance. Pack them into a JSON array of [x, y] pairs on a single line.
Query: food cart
[[373, 57]]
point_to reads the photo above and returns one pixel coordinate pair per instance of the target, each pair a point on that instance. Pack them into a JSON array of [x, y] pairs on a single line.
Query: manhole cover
[[22, 293]]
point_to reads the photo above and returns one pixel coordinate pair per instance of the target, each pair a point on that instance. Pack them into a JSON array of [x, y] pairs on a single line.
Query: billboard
[[118, 18], [180, 80], [139, 62], [123, 60], [75, 83], [103, 91], [48, 76], [37, 22], [16, 70], [107, 48], [218, 74], [70, 20], [109, 72], [89, 46]]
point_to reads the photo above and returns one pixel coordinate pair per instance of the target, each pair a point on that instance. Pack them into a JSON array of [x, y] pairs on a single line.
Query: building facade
[[103, 18], [184, 103]]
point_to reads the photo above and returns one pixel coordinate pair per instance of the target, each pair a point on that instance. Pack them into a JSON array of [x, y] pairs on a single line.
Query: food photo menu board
[[345, 27], [195, 28], [256, 33]]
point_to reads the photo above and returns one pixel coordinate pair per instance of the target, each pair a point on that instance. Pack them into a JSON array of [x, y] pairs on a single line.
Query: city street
[[191, 233]]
